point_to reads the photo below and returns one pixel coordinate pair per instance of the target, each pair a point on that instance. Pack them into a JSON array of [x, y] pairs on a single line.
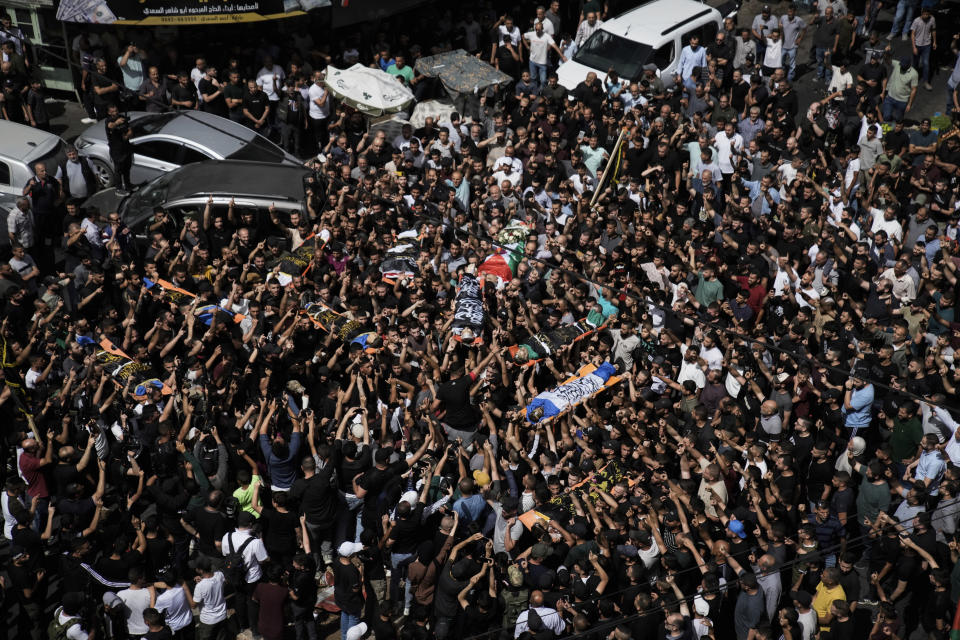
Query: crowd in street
[[712, 395]]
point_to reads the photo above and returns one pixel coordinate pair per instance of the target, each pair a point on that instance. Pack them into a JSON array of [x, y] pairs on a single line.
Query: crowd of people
[[711, 396]]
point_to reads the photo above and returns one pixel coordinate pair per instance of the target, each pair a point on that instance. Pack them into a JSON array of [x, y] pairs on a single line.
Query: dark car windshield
[[139, 206], [259, 149], [604, 50], [151, 124]]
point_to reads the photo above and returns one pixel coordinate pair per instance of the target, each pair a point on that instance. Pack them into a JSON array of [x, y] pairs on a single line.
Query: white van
[[653, 32]]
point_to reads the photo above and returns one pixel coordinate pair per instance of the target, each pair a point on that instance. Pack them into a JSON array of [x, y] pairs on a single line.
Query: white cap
[[411, 497], [356, 632], [700, 606], [349, 548], [356, 430]]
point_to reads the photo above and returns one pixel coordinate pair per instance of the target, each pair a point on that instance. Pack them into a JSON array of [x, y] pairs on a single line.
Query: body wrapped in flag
[[468, 314], [340, 326], [589, 381], [548, 343]]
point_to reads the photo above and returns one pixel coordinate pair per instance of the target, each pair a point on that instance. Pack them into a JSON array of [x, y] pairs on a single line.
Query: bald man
[[550, 618]]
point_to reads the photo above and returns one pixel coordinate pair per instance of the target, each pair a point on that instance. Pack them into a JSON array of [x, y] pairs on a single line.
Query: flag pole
[[606, 171]]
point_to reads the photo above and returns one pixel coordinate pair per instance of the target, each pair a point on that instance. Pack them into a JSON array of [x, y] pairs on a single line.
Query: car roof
[[649, 21], [22, 143], [238, 178], [221, 135]]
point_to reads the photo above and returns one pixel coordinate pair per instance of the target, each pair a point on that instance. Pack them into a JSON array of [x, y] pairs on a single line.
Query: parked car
[[653, 32], [184, 192], [21, 147], [163, 142]]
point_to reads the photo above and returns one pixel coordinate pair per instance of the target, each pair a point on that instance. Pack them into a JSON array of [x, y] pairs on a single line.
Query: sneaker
[[905, 37], [88, 121], [927, 86], [889, 36]]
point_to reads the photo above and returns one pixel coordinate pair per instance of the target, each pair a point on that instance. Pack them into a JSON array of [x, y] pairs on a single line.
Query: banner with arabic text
[[181, 12]]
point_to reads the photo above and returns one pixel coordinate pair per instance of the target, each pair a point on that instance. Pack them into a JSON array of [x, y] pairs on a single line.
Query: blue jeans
[[903, 16], [790, 62], [824, 70], [400, 562], [922, 61], [539, 73], [892, 110], [347, 620], [949, 108]]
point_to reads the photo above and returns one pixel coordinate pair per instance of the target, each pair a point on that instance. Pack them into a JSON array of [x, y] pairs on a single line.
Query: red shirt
[[32, 469]]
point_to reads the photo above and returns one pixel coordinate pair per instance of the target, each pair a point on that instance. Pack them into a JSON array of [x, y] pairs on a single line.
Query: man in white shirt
[[319, 111], [174, 603], [886, 219], [68, 616], [587, 28], [254, 553], [136, 598], [270, 79], [729, 145], [539, 42], [209, 595], [550, 618]]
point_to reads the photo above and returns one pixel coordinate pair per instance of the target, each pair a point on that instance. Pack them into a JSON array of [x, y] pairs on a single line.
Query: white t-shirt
[[209, 594], [726, 147], [9, 521], [174, 603], [267, 77], [892, 227], [74, 632], [509, 35], [539, 46], [253, 554], [316, 93], [136, 600], [649, 556]]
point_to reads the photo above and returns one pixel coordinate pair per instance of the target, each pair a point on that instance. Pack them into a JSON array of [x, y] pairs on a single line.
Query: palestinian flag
[[502, 264]]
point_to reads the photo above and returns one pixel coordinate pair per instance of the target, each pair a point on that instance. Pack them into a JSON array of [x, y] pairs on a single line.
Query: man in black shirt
[[348, 586], [461, 418], [318, 504], [233, 96], [212, 93], [184, 95], [256, 108], [121, 151]]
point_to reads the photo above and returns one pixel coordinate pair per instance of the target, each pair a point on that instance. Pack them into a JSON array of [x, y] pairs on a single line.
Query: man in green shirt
[[709, 288], [400, 68], [874, 495], [907, 432], [901, 90]]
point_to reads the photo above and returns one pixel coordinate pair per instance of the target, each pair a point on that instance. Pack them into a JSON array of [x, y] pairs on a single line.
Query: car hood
[[104, 201], [570, 74]]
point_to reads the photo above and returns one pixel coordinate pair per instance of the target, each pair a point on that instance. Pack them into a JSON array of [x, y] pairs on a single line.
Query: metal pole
[[69, 51], [603, 178]]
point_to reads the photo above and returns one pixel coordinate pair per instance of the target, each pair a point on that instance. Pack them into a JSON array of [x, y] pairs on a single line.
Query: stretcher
[[589, 381], [400, 260], [349, 331], [547, 343], [468, 313], [177, 295], [122, 367]]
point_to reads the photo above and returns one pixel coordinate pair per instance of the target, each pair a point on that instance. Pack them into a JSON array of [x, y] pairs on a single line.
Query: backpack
[[58, 631], [234, 568]]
